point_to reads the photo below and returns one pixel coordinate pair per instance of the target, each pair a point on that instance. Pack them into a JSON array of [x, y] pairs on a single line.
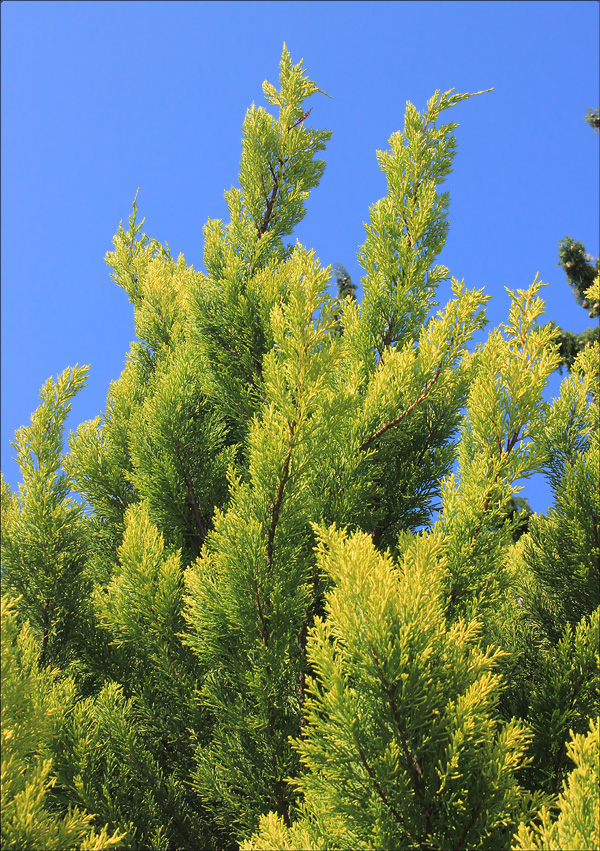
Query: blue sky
[[100, 98]]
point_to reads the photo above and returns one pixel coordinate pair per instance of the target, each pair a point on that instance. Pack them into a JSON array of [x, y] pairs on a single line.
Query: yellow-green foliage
[[141, 605], [402, 715], [33, 704], [577, 824], [273, 835], [593, 293], [43, 540]]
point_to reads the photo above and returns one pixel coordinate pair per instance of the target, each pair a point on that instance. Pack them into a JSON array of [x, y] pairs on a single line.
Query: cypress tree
[[297, 605]]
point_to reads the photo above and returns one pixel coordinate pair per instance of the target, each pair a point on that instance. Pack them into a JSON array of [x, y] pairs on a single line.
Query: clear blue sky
[[100, 98]]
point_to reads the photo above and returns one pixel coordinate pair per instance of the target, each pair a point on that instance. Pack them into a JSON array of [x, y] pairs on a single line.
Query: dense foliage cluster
[[280, 594]]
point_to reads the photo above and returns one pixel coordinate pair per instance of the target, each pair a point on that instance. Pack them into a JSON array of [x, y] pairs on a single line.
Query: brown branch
[[411, 759], [190, 490], [264, 621], [408, 236], [264, 189], [510, 442], [46, 634], [378, 788], [279, 497], [270, 201], [387, 426], [476, 812], [301, 119], [276, 506], [243, 410]]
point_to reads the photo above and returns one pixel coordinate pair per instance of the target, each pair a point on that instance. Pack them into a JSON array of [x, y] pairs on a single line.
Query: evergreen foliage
[[583, 276], [35, 704], [301, 604], [592, 117], [577, 825], [345, 289], [43, 542], [579, 270], [343, 281]]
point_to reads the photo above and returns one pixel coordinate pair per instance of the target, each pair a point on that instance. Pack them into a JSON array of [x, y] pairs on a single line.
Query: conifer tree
[[592, 117], [583, 276], [345, 289], [43, 542], [298, 605]]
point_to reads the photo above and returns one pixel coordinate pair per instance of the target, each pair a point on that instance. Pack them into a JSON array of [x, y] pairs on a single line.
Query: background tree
[[581, 274], [593, 119], [345, 288]]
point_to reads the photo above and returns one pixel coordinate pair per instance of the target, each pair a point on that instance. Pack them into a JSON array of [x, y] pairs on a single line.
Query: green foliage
[[252, 592], [571, 344], [583, 276], [179, 452], [302, 605], [555, 573], [579, 269], [403, 743], [499, 446], [408, 228], [563, 548], [43, 539], [231, 305], [578, 822], [345, 289], [344, 284], [107, 760], [34, 704], [563, 697], [592, 117]]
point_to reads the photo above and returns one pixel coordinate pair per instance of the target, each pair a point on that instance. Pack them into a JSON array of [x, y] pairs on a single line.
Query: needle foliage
[[279, 594]]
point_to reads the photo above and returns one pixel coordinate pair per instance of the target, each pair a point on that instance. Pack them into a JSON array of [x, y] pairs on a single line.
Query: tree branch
[[192, 497], [279, 497], [476, 812], [270, 201], [46, 634], [264, 621], [387, 426], [411, 759], [378, 788], [301, 119]]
